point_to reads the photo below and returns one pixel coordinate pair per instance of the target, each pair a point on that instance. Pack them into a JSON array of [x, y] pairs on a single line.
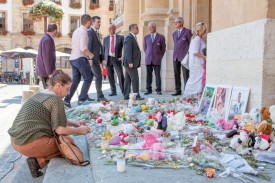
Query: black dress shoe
[[147, 93], [90, 99], [34, 167], [139, 98], [102, 99], [176, 94], [80, 102], [112, 94], [67, 104], [159, 93]]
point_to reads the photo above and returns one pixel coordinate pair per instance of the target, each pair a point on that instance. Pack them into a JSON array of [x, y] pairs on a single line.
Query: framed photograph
[[238, 102], [222, 100], [206, 100]]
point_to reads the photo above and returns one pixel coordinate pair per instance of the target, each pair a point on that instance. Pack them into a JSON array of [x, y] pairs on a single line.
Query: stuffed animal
[[255, 115], [262, 142], [132, 99], [151, 101], [239, 140], [224, 124], [272, 117], [157, 151], [149, 141], [265, 126], [162, 121], [175, 122]]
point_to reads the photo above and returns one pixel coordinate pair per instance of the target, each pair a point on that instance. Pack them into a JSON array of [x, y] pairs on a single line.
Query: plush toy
[[132, 99], [255, 115], [162, 121], [157, 151], [136, 109], [149, 140], [129, 129], [239, 140], [175, 122], [272, 117], [151, 101], [262, 142], [224, 124], [115, 140], [265, 126]]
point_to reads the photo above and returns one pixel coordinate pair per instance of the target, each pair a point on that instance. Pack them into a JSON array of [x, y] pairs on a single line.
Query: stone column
[[130, 14], [152, 11]]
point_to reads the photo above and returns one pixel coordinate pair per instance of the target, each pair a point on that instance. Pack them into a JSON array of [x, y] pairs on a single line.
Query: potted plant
[[28, 32], [75, 5], [46, 9], [94, 6], [4, 32], [3, 1], [27, 2]]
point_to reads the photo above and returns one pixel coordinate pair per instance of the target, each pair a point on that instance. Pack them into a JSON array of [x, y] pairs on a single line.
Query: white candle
[[121, 165]]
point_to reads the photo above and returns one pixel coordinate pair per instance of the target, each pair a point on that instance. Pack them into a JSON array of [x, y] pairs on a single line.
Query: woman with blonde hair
[[194, 85]]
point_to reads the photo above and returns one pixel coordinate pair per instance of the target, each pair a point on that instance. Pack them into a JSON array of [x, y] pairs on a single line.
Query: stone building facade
[[16, 20], [241, 46]]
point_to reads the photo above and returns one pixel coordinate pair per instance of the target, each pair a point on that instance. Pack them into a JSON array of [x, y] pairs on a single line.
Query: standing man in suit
[[182, 40], [154, 48], [96, 48], [112, 46], [79, 62], [46, 59], [131, 62]]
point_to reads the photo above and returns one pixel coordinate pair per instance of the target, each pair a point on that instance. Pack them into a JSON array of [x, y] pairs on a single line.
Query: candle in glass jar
[[121, 165]]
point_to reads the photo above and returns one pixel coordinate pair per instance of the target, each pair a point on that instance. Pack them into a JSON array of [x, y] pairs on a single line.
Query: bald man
[[112, 46]]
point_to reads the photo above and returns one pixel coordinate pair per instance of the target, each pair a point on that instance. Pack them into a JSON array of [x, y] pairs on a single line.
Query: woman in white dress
[[197, 59]]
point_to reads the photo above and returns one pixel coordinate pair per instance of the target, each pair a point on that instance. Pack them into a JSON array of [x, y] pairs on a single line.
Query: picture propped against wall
[[207, 99], [238, 102], [222, 100]]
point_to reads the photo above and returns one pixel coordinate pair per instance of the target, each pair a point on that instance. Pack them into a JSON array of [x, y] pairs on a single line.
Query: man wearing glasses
[[182, 39]]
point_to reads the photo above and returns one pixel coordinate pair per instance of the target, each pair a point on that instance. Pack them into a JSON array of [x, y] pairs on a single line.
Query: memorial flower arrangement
[[27, 2], [46, 8]]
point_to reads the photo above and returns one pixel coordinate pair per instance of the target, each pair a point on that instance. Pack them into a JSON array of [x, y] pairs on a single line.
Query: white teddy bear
[[132, 99], [176, 122]]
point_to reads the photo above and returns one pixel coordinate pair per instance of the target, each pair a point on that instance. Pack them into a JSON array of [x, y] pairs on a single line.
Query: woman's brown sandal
[[34, 167]]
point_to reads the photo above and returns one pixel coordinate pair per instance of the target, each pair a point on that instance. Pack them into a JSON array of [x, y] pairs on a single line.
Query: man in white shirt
[[79, 62], [112, 46]]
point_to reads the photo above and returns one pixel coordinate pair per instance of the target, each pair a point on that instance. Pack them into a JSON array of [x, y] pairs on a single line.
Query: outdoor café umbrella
[[20, 53]]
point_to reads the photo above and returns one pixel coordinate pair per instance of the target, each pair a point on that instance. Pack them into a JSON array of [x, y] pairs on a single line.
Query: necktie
[[178, 33], [112, 45], [153, 37]]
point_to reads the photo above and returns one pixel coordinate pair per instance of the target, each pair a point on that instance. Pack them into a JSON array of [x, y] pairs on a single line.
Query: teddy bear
[[132, 99], [265, 126], [157, 151], [175, 122]]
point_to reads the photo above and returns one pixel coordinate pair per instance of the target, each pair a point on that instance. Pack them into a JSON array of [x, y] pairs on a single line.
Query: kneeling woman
[[32, 130]]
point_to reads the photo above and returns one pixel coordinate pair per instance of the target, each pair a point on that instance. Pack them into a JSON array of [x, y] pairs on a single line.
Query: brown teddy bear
[[265, 126]]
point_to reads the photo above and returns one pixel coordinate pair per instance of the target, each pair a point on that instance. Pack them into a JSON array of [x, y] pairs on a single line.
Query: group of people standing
[[43, 115], [89, 54]]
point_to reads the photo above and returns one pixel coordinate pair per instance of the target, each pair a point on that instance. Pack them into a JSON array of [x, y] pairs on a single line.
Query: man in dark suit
[[96, 48], [46, 59], [182, 40], [154, 47], [112, 46], [131, 62]]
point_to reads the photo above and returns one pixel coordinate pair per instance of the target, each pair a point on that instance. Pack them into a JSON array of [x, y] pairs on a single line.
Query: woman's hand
[[83, 122], [83, 130]]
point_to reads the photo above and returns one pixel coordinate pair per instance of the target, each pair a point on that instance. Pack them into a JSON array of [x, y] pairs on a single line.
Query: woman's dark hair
[[59, 76]]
